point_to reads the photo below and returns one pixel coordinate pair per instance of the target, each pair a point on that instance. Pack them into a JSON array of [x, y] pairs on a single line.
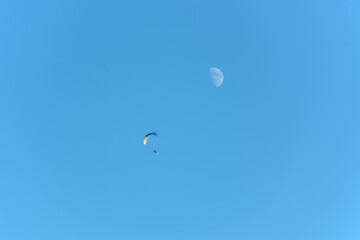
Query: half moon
[[216, 76]]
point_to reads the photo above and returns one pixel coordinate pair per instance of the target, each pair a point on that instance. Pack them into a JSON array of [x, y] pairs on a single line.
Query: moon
[[217, 76]]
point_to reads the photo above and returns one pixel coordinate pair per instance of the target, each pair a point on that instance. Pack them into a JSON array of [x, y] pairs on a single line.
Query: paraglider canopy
[[148, 135]]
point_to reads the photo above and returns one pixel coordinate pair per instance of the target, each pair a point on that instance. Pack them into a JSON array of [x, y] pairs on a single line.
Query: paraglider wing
[[148, 135]]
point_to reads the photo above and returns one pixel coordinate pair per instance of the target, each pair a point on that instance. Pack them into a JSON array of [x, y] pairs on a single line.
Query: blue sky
[[271, 154]]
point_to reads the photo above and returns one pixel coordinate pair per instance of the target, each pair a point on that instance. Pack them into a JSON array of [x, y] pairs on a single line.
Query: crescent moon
[[217, 76]]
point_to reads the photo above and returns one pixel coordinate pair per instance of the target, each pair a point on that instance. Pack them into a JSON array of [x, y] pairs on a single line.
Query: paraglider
[[147, 137]]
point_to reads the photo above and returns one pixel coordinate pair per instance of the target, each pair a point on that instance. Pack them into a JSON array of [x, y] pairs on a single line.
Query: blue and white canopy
[[148, 135]]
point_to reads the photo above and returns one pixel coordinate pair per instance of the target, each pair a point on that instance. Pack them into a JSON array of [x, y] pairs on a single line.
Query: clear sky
[[273, 153]]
